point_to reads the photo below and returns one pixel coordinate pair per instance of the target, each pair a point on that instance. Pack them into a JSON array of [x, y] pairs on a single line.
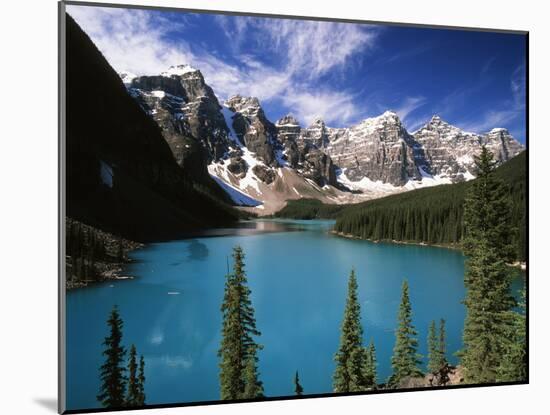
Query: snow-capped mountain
[[444, 150], [261, 164]]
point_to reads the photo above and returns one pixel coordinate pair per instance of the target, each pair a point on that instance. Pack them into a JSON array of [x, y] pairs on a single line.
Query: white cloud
[[308, 48], [510, 109], [518, 86], [174, 362], [331, 106], [487, 65], [409, 105], [314, 48], [491, 119], [181, 362], [129, 39], [137, 41]]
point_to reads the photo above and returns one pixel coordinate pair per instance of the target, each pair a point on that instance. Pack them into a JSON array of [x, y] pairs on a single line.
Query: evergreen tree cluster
[[238, 353], [482, 213], [405, 359], [438, 366], [355, 365], [492, 337], [121, 386], [513, 367], [436, 215]]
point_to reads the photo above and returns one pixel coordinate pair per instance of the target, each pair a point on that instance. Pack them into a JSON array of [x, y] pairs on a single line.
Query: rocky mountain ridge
[[242, 148]]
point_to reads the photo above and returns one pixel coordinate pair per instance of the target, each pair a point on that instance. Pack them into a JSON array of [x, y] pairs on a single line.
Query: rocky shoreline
[[110, 272], [94, 256]]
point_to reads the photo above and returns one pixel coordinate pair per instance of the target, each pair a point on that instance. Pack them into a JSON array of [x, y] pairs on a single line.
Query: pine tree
[[348, 375], [488, 301], [405, 359], [298, 389], [442, 344], [141, 382], [433, 350], [355, 369], [132, 393], [437, 361], [238, 350], [488, 210], [513, 366], [442, 375], [369, 371], [253, 388], [112, 372]]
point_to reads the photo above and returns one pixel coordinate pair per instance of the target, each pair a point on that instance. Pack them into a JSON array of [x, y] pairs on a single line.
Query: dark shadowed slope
[[121, 175]]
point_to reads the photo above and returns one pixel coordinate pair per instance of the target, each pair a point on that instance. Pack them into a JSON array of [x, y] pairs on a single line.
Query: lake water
[[298, 275]]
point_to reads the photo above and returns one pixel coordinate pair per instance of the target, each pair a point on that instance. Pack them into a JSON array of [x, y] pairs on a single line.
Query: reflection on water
[[196, 251], [256, 227]]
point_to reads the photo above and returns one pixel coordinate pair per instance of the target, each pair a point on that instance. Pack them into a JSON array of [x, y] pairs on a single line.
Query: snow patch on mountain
[[158, 94], [237, 196], [228, 117], [250, 180], [281, 158], [179, 70], [427, 181], [365, 184], [127, 77]]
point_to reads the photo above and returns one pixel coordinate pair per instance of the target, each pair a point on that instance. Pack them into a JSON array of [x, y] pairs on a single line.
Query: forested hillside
[[433, 215]]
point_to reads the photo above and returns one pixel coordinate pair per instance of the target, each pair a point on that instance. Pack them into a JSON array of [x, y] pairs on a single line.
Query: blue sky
[[341, 72]]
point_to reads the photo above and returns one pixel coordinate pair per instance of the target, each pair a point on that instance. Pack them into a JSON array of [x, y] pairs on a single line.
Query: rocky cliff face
[[243, 148], [446, 151], [303, 151], [378, 148], [252, 127], [501, 143], [180, 100]]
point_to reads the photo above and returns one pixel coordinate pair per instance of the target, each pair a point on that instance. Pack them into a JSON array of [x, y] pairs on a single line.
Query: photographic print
[[273, 207]]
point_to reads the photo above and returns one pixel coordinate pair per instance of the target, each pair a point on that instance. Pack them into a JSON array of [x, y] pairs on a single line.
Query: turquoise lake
[[298, 275]]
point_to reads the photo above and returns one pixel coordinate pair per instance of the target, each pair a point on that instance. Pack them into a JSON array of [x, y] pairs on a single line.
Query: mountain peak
[[443, 130], [499, 130], [437, 120], [127, 77], [437, 123], [179, 70], [318, 122], [247, 105], [386, 117], [288, 120], [390, 114]]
